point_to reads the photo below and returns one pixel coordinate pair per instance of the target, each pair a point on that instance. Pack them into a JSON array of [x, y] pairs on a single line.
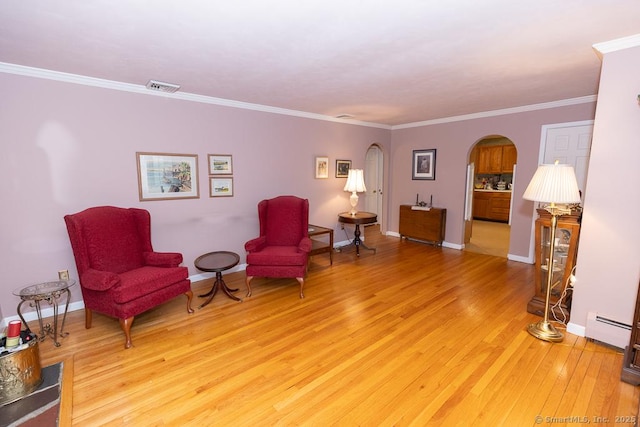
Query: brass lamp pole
[[553, 184]]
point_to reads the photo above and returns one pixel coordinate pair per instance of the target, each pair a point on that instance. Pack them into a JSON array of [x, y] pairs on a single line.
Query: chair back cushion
[[284, 220], [110, 239]]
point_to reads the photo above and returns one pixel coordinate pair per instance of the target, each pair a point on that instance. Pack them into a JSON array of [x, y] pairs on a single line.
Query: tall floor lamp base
[[545, 331]]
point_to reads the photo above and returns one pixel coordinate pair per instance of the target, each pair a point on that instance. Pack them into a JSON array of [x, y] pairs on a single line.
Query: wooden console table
[[320, 246], [422, 224]]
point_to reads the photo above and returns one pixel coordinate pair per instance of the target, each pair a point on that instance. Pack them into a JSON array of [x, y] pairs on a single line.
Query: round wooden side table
[[358, 218], [217, 262]]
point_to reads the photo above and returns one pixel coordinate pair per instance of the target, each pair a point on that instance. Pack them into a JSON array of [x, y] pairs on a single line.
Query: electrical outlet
[[63, 274]]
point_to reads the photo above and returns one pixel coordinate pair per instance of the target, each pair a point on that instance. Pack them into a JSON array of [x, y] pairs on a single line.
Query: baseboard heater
[[607, 330]]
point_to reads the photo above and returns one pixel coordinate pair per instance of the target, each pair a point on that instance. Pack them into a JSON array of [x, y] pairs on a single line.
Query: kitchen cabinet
[[560, 264], [495, 159], [492, 205], [509, 158], [489, 159], [420, 224]]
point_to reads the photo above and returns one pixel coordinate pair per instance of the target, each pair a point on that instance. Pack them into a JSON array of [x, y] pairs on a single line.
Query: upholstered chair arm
[[99, 280], [305, 245], [162, 259], [255, 244]]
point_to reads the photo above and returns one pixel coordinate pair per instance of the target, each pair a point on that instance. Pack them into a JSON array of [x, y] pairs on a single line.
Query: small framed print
[[424, 164], [322, 167], [220, 164], [342, 168], [220, 187], [164, 176]]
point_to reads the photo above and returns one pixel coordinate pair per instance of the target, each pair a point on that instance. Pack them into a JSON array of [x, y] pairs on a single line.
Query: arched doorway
[[373, 179], [491, 174]]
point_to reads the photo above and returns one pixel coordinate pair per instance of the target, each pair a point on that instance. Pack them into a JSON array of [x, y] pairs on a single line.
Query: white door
[[569, 143], [373, 177]]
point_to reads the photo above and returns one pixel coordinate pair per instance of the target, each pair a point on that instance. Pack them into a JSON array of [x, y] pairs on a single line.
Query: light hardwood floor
[[410, 336]]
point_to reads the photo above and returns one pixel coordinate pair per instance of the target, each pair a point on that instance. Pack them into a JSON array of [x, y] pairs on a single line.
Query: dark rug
[[40, 408]]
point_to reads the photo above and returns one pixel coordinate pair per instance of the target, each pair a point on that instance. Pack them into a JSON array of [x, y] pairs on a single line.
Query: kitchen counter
[[488, 191]]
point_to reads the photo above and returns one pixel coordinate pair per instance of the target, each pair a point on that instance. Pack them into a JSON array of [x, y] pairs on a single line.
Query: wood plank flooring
[[409, 336]]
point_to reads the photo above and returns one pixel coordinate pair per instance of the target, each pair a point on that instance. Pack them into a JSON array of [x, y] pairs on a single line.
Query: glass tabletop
[[45, 288], [217, 261]]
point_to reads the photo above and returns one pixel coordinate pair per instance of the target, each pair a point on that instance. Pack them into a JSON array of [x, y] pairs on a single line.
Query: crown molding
[[501, 112], [617, 44], [185, 96]]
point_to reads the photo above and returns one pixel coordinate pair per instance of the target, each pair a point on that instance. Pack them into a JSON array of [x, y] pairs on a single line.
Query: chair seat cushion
[[146, 280], [277, 255]]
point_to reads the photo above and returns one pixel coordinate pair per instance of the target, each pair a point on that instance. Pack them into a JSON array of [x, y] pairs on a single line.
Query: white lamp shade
[[553, 184], [355, 181]]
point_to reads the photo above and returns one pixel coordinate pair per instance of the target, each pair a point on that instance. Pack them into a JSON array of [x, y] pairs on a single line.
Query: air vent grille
[[162, 86]]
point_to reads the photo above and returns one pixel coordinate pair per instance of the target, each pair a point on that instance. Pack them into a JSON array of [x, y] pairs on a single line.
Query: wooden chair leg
[[248, 282], [189, 295], [88, 317], [125, 324], [301, 281]]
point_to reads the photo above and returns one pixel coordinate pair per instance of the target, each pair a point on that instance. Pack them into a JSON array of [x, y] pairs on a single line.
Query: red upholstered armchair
[[283, 247], [120, 274]]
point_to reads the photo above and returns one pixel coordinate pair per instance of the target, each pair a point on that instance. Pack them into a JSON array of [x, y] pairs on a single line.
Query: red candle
[[13, 330]]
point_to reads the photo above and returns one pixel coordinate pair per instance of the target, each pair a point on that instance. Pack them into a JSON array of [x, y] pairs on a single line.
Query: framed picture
[[220, 164], [322, 167], [164, 176], [342, 168], [220, 187], [424, 164]]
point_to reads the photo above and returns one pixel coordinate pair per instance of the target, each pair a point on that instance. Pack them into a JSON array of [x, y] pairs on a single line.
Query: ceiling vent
[[162, 86]]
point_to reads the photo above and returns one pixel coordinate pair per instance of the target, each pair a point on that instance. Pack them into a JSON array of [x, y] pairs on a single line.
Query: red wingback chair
[[120, 274], [283, 247]]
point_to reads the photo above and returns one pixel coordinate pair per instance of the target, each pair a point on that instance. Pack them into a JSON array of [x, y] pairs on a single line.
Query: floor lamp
[[556, 186]]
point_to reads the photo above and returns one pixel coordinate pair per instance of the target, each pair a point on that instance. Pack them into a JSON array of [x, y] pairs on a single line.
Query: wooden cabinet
[[509, 158], [425, 225], [631, 363], [496, 159], [561, 261], [492, 205], [490, 159]]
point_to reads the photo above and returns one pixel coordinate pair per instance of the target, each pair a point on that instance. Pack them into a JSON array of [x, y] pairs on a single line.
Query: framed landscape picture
[[220, 187], [424, 164], [220, 164], [165, 176]]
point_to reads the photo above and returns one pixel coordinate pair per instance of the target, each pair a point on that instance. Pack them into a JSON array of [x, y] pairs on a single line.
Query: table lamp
[[556, 186], [355, 184]]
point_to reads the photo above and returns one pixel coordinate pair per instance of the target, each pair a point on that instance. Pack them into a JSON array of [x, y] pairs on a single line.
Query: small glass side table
[[50, 292]]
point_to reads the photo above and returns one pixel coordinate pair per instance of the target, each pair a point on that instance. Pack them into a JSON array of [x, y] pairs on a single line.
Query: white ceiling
[[387, 62]]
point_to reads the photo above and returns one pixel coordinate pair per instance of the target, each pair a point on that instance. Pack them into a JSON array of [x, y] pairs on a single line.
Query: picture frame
[[424, 164], [220, 164], [322, 167], [167, 176], [220, 186], [342, 168]]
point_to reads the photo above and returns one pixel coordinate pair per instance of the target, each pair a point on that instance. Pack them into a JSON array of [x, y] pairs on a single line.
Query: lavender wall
[[453, 142], [66, 147], [608, 264]]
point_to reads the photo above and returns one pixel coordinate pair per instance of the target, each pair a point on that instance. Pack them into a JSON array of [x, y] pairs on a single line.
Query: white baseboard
[[576, 329]]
